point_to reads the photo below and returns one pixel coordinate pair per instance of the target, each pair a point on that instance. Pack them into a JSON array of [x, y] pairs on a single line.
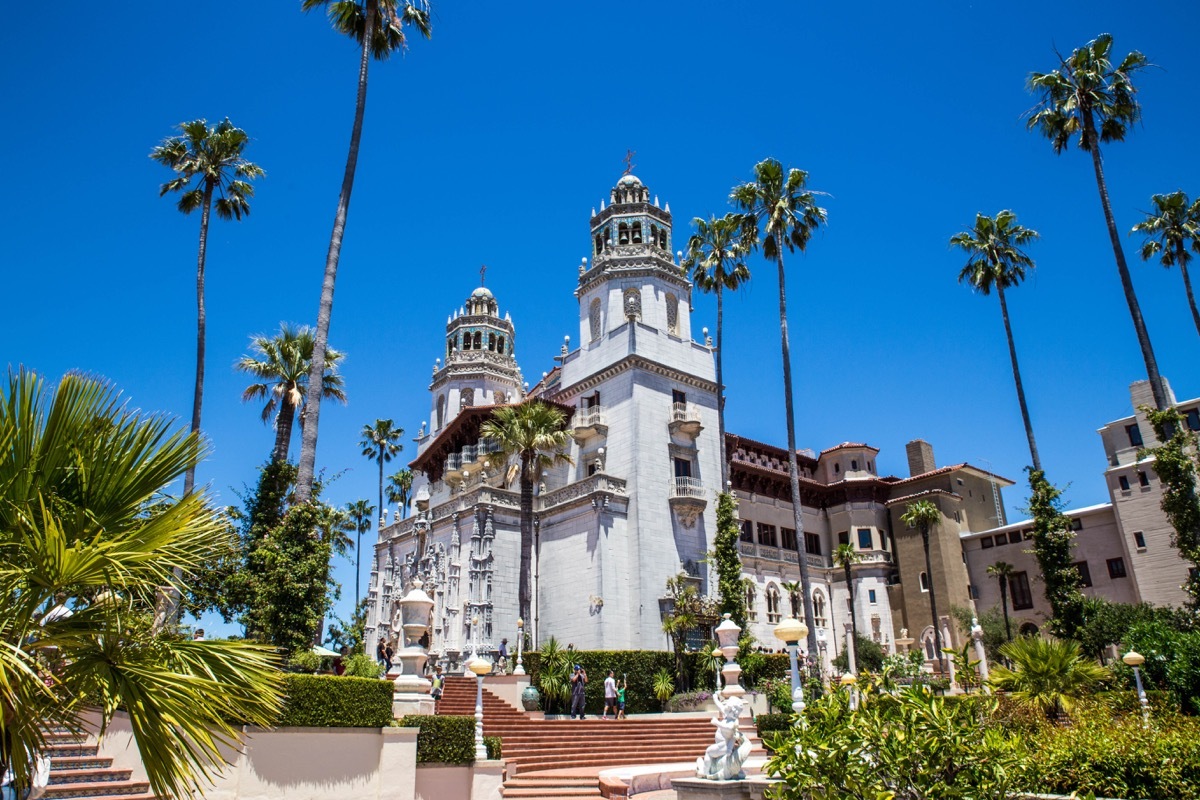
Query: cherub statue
[[723, 758]]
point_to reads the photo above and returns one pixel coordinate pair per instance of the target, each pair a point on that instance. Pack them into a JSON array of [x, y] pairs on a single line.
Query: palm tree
[[361, 513], [845, 556], [399, 491], [781, 214], [207, 162], [282, 362], [1002, 571], [1047, 674], [793, 588], [381, 442], [1176, 224], [924, 514], [89, 528], [362, 21], [533, 433], [716, 258], [1087, 96], [995, 259]]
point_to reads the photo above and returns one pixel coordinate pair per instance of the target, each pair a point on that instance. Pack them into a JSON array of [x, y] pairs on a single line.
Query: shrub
[[1172, 661], [305, 661], [868, 656], [361, 665], [1048, 674], [689, 701], [319, 701], [636, 666], [443, 739], [779, 692], [495, 747], [773, 722]]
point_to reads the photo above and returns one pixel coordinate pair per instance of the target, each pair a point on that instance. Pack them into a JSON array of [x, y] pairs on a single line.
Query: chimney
[[920, 457], [1140, 394]]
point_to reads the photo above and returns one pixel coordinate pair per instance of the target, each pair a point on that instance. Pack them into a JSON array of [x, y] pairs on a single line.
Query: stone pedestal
[[701, 789], [406, 703]]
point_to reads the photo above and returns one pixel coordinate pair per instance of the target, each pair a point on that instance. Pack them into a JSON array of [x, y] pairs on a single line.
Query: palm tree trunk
[[1135, 310], [308, 437], [1012, 353], [793, 466], [853, 616], [1004, 606], [189, 478], [283, 428], [937, 624], [523, 589], [721, 392], [1180, 259]]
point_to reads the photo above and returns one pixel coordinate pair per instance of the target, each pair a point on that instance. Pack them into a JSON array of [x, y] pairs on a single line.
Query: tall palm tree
[[361, 512], [923, 515], [1169, 230], [282, 362], [1089, 97], [845, 556], [781, 214], [716, 258], [381, 442], [1002, 571], [207, 161], [85, 525], [399, 491], [532, 432], [995, 259], [378, 27]]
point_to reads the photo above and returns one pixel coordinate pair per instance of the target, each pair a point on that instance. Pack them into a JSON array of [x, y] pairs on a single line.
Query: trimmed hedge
[[773, 722], [330, 701], [443, 739], [495, 747]]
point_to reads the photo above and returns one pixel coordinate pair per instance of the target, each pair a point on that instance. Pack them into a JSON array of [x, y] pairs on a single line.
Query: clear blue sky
[[492, 143]]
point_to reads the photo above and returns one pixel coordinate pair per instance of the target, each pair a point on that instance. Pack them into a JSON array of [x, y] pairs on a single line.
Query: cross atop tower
[[629, 154], [482, 274]]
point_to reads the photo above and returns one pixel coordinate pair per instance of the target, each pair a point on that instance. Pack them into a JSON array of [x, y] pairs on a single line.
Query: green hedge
[[773, 722], [443, 739], [495, 747], [330, 701]]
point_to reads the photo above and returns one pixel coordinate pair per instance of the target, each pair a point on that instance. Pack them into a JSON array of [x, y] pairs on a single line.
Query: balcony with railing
[[685, 419], [588, 422], [688, 498]]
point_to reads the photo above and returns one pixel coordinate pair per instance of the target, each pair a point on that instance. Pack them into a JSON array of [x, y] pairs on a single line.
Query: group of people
[[614, 694]]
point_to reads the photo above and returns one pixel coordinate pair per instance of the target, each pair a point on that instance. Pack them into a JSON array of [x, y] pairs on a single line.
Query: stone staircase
[[561, 758], [78, 773]]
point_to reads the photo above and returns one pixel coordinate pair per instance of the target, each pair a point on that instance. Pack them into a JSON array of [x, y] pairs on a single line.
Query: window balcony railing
[[688, 487], [589, 421], [454, 461], [470, 454], [685, 418]]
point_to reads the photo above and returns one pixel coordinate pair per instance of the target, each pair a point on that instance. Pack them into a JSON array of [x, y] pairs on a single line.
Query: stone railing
[[685, 412], [688, 487], [599, 483], [589, 417]]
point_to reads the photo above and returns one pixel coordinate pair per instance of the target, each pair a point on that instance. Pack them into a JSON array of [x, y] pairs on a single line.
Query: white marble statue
[[723, 759]]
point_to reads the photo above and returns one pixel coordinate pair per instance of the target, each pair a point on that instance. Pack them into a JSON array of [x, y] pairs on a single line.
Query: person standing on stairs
[[578, 682], [621, 697], [436, 690], [610, 695]]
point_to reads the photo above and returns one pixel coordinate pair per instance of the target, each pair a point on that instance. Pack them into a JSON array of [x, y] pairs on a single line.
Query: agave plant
[[1047, 674]]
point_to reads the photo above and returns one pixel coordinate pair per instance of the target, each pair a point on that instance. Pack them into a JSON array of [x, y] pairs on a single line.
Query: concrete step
[[69, 763], [96, 775], [96, 789], [71, 750]]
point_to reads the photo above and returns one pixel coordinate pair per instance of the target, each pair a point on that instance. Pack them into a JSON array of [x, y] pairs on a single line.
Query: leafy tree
[[207, 162], [1172, 660], [1002, 571], [378, 26], [690, 611], [781, 214], [87, 538], [868, 655], [533, 433], [845, 556], [1053, 544], [1106, 623], [728, 561], [1175, 465], [1169, 230], [361, 513], [350, 635], [281, 363], [1089, 97], [291, 596], [923, 515], [381, 442], [716, 257], [994, 632], [996, 260], [1047, 674], [399, 491]]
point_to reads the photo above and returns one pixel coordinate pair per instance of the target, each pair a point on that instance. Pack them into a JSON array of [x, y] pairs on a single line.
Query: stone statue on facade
[[723, 759]]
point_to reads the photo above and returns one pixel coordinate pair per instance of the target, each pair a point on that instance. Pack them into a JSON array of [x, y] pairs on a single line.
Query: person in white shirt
[[610, 695]]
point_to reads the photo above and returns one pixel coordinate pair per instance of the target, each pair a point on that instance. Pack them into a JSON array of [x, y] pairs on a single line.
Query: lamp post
[[1135, 659], [480, 667], [791, 631], [520, 669], [848, 681]]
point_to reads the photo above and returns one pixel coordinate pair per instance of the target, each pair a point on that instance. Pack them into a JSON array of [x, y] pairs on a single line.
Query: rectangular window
[[766, 535], [683, 468], [1123, 482], [924, 582], [678, 396], [973, 590], [812, 543], [1076, 524], [1192, 416], [1014, 537], [1116, 568], [1018, 590], [958, 516], [864, 539], [871, 596], [747, 531], [844, 537], [1143, 478], [1085, 574], [1139, 539], [986, 543], [1135, 435], [1001, 540], [788, 535]]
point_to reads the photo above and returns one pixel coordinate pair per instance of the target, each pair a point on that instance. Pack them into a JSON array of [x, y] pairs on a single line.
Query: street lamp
[[1135, 659], [481, 667], [791, 631], [520, 670], [848, 681]]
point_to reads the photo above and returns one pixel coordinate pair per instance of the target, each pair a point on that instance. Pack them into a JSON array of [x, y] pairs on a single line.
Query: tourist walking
[[503, 657], [436, 691], [610, 695], [578, 682]]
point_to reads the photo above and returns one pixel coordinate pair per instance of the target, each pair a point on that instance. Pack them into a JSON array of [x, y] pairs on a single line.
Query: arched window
[[929, 644], [622, 233], [492, 342], [751, 597], [599, 244], [1029, 629], [594, 318], [672, 315], [500, 344], [819, 609], [924, 582], [773, 615], [654, 234], [637, 233], [450, 343], [478, 343], [633, 303], [468, 397]]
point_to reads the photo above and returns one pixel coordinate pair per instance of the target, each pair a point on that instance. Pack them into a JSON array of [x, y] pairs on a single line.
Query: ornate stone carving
[[594, 317], [672, 315], [633, 303]]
